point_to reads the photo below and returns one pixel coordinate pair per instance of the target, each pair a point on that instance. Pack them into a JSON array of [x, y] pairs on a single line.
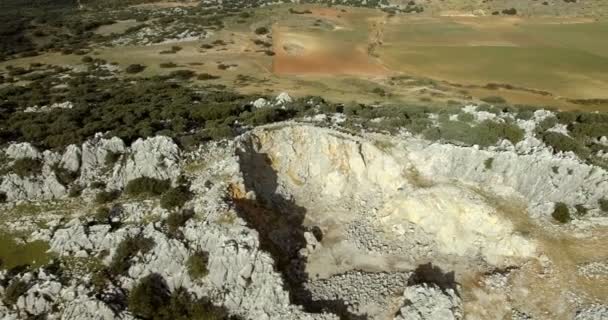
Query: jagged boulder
[[94, 155], [157, 157], [428, 301]]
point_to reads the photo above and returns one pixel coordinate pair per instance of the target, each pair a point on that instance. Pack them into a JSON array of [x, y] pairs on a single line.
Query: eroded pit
[[349, 221]]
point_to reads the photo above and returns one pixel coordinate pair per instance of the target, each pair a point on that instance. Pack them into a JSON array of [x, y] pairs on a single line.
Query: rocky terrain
[[307, 220]]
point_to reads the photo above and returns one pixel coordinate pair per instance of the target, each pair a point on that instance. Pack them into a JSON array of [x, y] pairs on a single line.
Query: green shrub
[[102, 214], [563, 143], [147, 186], [87, 59], [603, 204], [135, 68], [197, 265], [168, 65], [494, 99], [207, 76], [106, 196], [111, 158], [3, 197], [488, 163], [176, 220], [581, 210], [561, 213], [175, 197], [75, 191], [466, 117], [182, 74], [148, 297], [261, 30], [151, 299], [65, 176], [26, 167], [14, 291], [127, 249]]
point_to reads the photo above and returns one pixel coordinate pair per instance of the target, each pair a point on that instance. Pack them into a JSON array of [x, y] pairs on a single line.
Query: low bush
[[102, 214], [603, 204], [135, 68], [3, 197], [182, 74], [111, 158], [561, 213], [488, 163], [26, 167], [494, 99], [14, 291], [175, 197], [560, 142], [148, 297], [176, 220], [168, 65], [147, 186], [126, 250], [207, 76], [197, 265], [151, 299], [106, 196], [65, 176], [261, 31]]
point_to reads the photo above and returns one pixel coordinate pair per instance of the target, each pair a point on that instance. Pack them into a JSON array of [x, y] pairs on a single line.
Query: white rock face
[[539, 178], [44, 187], [94, 152], [320, 167], [157, 157], [462, 222], [427, 301], [17, 151], [260, 103]]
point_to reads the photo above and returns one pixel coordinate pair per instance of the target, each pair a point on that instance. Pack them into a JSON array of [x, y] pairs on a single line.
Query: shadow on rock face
[[280, 224], [428, 273]]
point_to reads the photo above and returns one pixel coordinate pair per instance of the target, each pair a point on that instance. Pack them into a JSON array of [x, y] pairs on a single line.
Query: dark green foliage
[[175, 197], [561, 213], [168, 65], [102, 214], [127, 249], [261, 30], [466, 117], [87, 59], [26, 167], [197, 265], [207, 76], [488, 163], [3, 197], [176, 220], [561, 142], [106, 196], [484, 134], [147, 186], [75, 191], [581, 210], [151, 299], [182, 74], [14, 291], [135, 68], [148, 297], [603, 203], [494, 100], [111, 158], [65, 176]]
